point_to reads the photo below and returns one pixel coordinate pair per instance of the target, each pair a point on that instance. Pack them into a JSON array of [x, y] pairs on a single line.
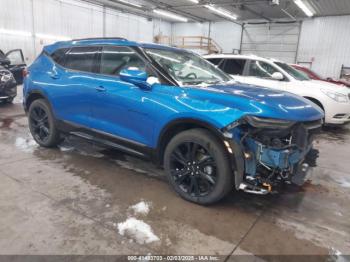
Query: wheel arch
[[316, 101], [34, 95], [178, 125]]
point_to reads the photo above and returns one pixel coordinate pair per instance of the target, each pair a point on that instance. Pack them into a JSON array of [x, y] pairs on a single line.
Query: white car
[[249, 69]]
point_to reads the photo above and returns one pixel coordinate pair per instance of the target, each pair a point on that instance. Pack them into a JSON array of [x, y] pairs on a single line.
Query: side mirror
[[277, 76], [136, 77]]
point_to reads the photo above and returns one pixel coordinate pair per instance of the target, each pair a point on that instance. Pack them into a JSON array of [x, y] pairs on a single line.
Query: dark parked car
[[8, 86], [14, 61]]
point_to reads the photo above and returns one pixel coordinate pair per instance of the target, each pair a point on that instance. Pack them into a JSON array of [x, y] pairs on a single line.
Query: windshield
[[310, 73], [298, 75], [187, 68]]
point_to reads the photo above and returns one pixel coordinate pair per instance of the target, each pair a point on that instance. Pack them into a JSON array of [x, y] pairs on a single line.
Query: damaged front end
[[273, 152]]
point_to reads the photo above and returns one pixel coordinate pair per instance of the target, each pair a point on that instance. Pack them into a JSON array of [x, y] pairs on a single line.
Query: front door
[[119, 108], [17, 64], [259, 73]]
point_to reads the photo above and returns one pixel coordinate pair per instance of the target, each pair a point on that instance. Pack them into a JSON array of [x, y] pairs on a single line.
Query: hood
[[328, 86], [260, 101]]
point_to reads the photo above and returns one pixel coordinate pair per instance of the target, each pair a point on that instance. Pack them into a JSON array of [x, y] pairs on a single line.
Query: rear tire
[[197, 167], [42, 124]]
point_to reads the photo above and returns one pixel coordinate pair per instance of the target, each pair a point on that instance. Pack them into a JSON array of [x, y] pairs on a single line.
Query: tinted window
[[215, 61], [16, 57], [293, 72], [58, 55], [116, 58], [81, 58], [261, 69], [233, 66]]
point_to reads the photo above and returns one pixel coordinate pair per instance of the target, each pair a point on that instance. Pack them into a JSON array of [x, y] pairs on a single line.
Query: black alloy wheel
[[39, 123], [198, 167], [42, 124], [193, 169]]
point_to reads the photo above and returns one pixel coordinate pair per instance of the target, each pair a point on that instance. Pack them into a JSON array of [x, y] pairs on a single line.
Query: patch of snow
[[141, 208], [337, 256], [338, 213], [65, 148], [26, 145], [108, 205], [137, 230], [343, 182]]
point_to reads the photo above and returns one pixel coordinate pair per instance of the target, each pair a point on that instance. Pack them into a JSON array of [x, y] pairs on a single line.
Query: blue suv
[[211, 134]]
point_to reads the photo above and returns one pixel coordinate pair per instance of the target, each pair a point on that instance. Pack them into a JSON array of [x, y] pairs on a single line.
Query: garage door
[[278, 41]]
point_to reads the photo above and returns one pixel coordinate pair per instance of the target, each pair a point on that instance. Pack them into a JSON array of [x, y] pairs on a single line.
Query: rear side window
[[233, 66], [215, 61], [116, 58], [58, 55], [82, 58], [261, 69]]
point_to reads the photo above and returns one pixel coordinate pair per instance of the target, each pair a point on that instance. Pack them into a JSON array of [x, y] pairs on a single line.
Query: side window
[[58, 55], [234, 66], [116, 58], [82, 58], [261, 69], [16, 57], [215, 61]]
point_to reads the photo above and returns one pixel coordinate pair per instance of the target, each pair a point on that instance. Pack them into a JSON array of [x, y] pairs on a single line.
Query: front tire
[[42, 124], [197, 167]]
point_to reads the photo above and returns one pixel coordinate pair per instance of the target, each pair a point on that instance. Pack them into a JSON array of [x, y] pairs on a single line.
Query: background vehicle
[[8, 86], [175, 108], [311, 74], [14, 61], [333, 99]]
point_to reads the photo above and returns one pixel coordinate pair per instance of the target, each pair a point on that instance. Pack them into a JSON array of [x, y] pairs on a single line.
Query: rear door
[[73, 82], [234, 67], [17, 64]]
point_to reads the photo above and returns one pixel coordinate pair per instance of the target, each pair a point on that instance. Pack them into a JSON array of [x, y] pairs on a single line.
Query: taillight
[[25, 72]]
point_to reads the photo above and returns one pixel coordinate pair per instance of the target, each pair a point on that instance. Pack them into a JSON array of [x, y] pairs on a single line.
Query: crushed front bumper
[[8, 89], [286, 158]]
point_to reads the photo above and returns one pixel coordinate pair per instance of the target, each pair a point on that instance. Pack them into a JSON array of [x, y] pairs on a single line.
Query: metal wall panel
[[132, 27], [55, 20], [15, 15], [278, 41], [226, 34], [48, 21], [325, 43], [191, 29]]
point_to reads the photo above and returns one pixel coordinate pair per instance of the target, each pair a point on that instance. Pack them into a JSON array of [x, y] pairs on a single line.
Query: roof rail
[[101, 38]]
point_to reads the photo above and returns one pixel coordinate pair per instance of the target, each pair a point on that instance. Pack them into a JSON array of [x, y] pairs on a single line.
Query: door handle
[[54, 75], [100, 89]]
